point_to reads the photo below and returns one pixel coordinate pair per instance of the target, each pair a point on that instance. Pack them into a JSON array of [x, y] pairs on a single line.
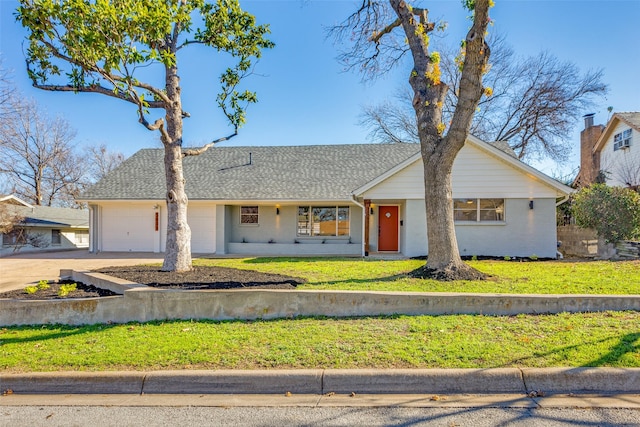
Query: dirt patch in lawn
[[54, 292], [203, 278]]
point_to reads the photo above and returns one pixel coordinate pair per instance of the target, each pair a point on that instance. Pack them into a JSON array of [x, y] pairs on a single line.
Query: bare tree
[[533, 103], [37, 155], [130, 51], [9, 218], [101, 161], [6, 84], [381, 32], [623, 169]]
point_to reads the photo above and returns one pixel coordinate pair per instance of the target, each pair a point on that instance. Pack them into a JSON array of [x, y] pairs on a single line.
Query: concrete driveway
[[16, 271]]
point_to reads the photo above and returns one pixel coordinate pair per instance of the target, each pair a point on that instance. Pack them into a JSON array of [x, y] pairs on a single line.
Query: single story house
[[327, 200], [40, 228]]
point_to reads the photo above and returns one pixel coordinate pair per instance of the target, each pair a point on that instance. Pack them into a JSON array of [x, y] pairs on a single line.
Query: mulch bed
[[82, 291], [203, 278], [197, 278]]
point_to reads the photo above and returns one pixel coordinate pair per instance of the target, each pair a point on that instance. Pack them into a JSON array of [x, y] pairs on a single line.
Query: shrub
[[31, 289], [66, 289], [613, 212], [42, 285]]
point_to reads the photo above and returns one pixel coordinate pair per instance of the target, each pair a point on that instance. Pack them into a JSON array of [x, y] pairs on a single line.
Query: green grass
[[463, 341], [456, 341], [541, 277]]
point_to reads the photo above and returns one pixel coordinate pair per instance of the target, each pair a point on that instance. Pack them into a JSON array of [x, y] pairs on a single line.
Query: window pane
[[491, 209], [343, 221], [465, 209], [304, 226], [248, 215], [55, 237], [324, 221]]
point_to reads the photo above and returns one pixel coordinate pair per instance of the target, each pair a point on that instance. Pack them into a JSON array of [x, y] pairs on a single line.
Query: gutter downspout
[[354, 200]]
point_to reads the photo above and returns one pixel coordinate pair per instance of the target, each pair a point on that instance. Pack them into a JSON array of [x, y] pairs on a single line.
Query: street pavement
[[191, 414]]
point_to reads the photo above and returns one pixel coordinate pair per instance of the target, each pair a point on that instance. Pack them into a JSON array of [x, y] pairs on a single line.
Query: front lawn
[[539, 277], [453, 341], [462, 341]]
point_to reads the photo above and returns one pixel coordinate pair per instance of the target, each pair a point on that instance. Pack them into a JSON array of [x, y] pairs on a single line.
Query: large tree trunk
[[438, 151], [178, 251]]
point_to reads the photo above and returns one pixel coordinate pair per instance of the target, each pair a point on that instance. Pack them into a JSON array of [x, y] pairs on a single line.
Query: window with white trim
[[622, 140], [249, 215], [323, 221], [478, 210]]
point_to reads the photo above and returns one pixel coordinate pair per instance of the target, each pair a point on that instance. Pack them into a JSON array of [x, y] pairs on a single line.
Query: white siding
[[202, 221], [475, 174], [525, 231], [622, 166]]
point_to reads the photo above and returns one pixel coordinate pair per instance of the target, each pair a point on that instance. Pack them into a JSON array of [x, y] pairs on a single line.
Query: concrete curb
[[317, 381]]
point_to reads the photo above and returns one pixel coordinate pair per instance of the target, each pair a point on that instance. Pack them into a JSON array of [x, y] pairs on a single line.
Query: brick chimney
[[589, 161]]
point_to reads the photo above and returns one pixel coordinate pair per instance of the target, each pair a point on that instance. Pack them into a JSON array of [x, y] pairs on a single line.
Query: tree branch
[[200, 150], [386, 30]]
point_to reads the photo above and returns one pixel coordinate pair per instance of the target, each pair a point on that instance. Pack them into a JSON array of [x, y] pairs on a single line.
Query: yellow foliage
[[488, 91], [434, 74], [441, 128]]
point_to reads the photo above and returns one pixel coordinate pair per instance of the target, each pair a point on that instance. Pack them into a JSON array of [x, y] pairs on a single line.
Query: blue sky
[[305, 98]]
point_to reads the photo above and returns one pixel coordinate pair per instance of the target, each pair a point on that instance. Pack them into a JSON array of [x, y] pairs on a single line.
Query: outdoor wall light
[[277, 211], [370, 211], [530, 204]]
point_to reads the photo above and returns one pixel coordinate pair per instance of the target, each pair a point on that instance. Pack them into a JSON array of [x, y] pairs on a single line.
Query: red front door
[[388, 228]]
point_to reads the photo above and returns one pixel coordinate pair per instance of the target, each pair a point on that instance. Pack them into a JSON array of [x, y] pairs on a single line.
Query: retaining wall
[[143, 304]]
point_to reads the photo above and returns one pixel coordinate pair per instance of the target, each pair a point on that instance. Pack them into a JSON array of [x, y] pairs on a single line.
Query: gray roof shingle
[[312, 172]]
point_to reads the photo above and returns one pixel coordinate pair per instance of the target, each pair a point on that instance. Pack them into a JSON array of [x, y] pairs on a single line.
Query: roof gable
[[631, 119], [495, 152]]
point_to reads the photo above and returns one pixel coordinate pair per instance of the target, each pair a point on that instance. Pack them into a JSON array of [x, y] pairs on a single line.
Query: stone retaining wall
[[143, 304]]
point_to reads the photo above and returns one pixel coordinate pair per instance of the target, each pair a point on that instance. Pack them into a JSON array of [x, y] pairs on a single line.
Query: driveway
[[18, 270]]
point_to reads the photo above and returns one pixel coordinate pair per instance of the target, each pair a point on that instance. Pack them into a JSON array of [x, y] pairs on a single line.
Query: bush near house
[[614, 212]]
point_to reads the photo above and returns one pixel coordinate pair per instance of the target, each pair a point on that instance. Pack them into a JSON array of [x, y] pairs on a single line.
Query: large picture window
[[323, 221], [478, 210], [248, 215]]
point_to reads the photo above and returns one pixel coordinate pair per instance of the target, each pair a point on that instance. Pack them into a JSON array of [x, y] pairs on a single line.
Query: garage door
[[128, 228], [202, 221]]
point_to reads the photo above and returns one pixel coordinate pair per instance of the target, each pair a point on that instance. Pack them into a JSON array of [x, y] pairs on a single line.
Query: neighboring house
[[43, 227], [327, 200], [613, 149]]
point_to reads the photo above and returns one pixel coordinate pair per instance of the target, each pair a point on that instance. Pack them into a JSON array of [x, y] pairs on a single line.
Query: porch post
[[367, 208]]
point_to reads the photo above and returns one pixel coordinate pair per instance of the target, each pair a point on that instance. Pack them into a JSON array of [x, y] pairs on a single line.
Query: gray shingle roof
[[45, 216], [312, 172], [632, 119]]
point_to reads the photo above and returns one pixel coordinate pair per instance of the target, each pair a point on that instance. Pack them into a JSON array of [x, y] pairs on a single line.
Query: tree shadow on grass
[[629, 343], [49, 332]]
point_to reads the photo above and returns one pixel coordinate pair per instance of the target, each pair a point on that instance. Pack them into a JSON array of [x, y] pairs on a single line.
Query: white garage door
[[128, 228], [202, 221]]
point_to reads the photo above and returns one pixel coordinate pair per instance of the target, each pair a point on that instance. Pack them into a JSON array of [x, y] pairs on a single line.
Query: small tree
[[614, 212], [108, 47]]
